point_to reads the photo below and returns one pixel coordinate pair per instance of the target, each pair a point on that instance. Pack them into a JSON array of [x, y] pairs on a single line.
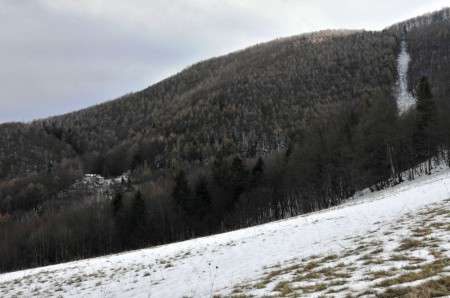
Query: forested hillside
[[26, 149], [251, 102], [278, 129]]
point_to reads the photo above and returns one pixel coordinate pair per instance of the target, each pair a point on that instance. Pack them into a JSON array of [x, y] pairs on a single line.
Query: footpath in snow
[[353, 248]]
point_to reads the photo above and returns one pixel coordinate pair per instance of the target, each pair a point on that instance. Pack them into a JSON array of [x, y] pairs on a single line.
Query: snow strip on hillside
[[405, 100], [213, 265]]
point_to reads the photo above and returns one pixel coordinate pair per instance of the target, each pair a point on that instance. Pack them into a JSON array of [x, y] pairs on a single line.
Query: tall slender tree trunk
[[391, 162]]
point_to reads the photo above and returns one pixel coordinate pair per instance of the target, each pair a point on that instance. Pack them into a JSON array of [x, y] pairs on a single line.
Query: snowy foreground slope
[[371, 245]]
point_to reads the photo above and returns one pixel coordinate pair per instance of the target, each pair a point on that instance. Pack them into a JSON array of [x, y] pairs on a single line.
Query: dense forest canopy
[[271, 131], [252, 102]]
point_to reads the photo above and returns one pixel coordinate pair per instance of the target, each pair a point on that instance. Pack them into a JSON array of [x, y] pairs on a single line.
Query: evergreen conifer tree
[[139, 208], [257, 172], [239, 178], [203, 203], [425, 105], [138, 220], [181, 192], [117, 202], [424, 137]]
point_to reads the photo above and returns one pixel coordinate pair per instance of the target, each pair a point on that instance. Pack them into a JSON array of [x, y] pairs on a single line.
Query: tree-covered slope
[[26, 149], [250, 101], [428, 42]]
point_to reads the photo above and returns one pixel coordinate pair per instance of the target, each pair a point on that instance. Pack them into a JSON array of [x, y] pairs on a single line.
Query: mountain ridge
[[426, 19]]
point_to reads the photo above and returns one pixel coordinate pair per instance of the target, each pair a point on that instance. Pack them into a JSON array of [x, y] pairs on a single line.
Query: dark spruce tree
[[239, 178], [117, 203], [203, 198], [257, 173], [138, 220], [424, 136], [425, 105], [181, 192]]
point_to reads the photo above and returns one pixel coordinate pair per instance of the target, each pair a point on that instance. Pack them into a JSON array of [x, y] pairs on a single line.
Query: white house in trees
[[93, 178]]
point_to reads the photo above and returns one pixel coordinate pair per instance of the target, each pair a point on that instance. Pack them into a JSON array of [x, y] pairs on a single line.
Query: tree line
[[354, 147]]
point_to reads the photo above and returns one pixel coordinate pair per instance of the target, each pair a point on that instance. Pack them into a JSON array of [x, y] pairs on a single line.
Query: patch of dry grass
[[409, 244], [382, 274], [434, 288], [284, 288], [426, 271]]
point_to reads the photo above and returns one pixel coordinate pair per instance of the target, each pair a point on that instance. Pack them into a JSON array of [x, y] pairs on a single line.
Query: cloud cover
[[59, 56]]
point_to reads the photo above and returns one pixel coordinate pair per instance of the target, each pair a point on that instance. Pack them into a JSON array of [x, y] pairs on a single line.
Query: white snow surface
[[213, 265], [405, 100]]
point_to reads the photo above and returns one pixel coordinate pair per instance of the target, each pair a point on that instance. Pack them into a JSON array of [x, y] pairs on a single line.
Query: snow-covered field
[[373, 244]]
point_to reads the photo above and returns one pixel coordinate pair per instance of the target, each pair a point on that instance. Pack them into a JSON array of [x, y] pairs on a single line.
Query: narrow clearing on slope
[[405, 100]]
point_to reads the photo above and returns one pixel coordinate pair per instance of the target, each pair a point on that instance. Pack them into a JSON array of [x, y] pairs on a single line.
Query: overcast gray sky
[[59, 56]]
